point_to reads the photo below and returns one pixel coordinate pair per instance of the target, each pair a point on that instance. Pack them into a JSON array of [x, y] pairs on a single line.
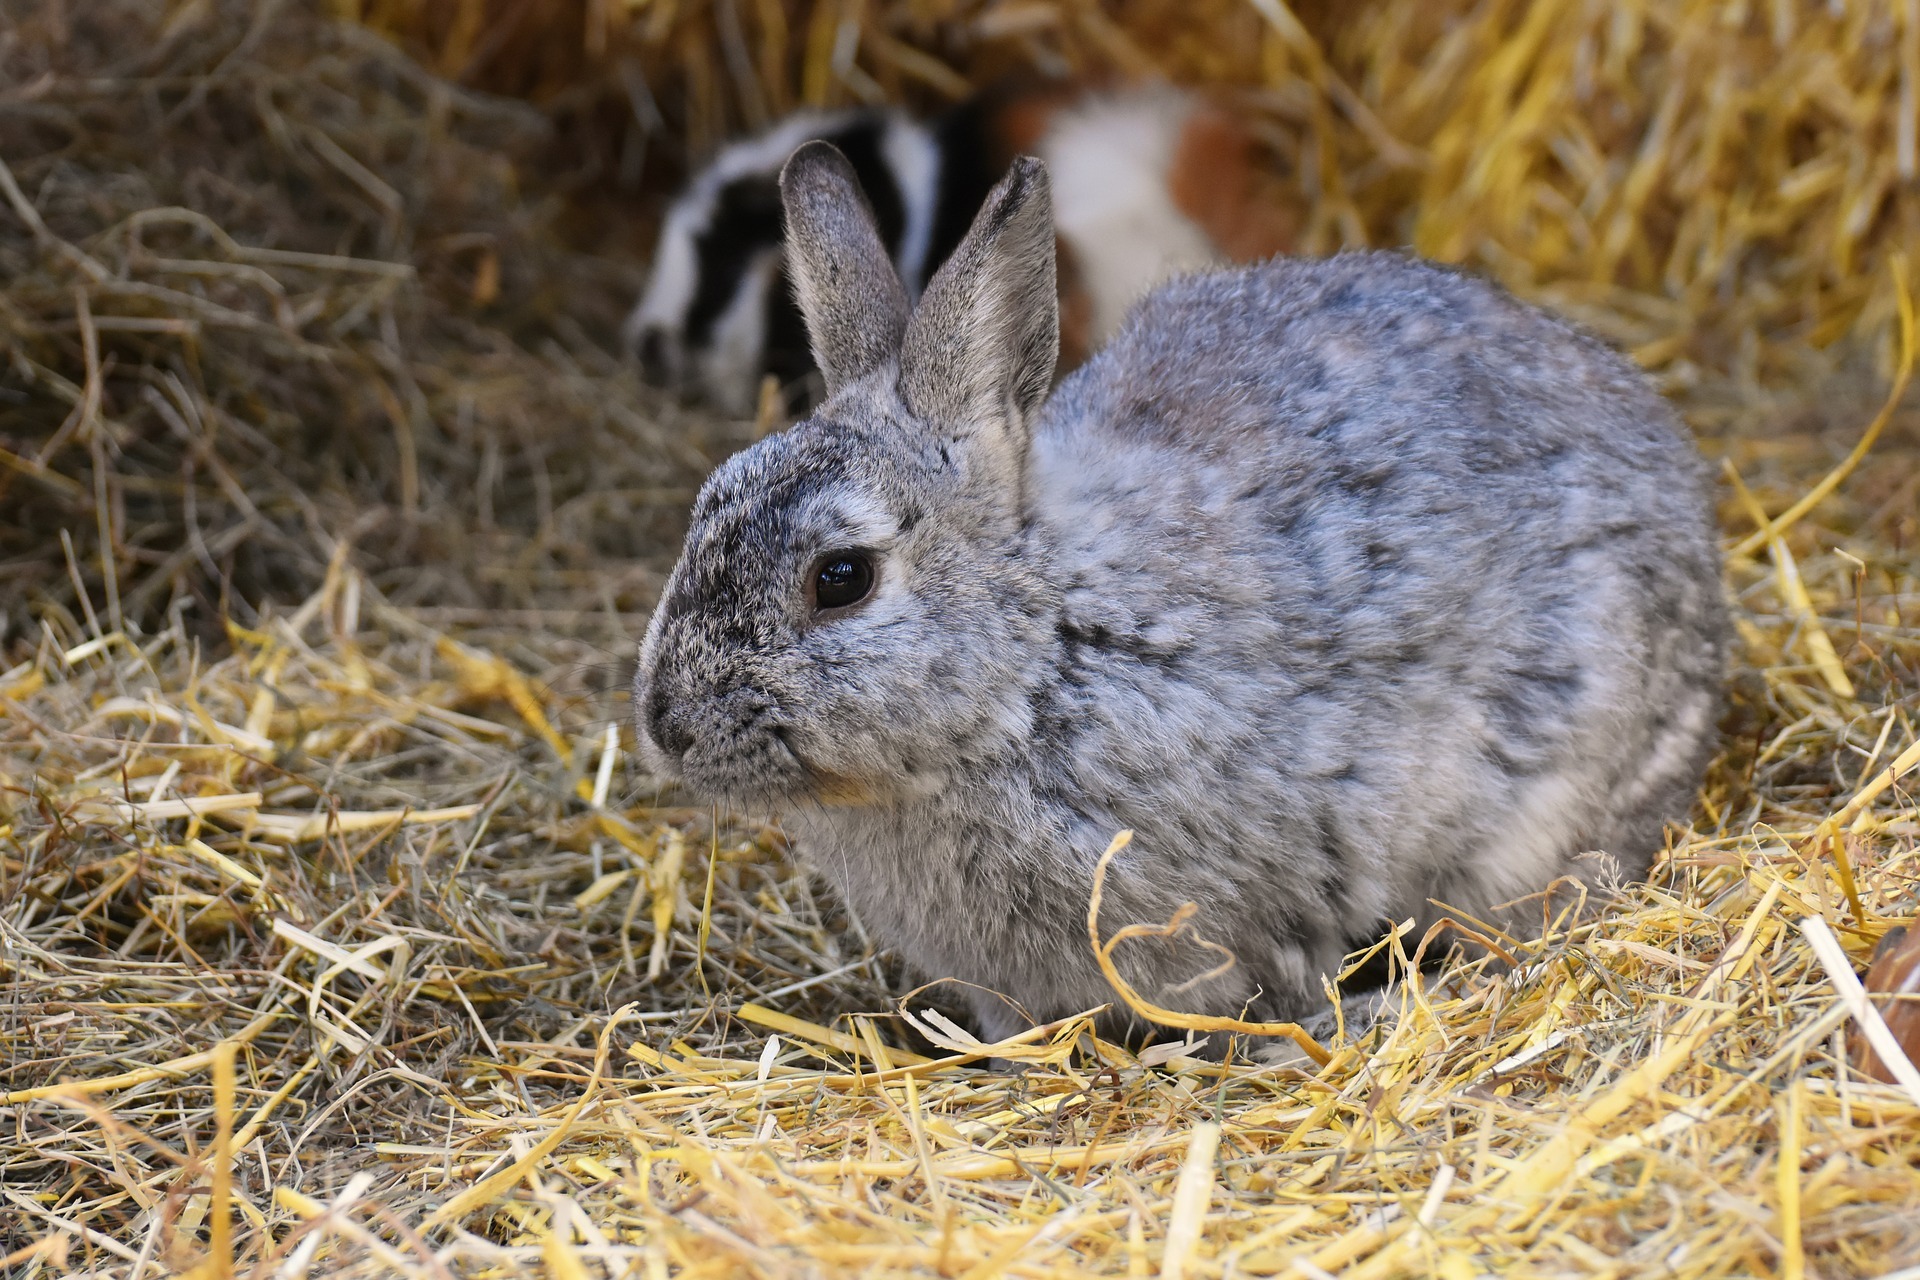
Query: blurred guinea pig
[[1147, 184]]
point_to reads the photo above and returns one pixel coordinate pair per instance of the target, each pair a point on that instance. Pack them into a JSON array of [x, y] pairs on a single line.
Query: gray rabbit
[[1351, 586]]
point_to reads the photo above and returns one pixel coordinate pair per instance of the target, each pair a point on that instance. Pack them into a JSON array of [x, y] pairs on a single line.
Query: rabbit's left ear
[[981, 347], [843, 279]]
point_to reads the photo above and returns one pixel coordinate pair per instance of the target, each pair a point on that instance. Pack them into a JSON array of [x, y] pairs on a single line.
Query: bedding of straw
[[339, 936]]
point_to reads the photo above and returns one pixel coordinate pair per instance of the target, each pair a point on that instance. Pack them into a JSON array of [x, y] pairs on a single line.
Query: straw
[[310, 363]]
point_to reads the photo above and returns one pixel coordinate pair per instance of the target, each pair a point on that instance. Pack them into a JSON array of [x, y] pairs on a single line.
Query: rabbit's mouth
[[766, 769], [755, 770]]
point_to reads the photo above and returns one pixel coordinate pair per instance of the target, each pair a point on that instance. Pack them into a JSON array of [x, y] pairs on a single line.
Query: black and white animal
[[1351, 586], [1148, 183]]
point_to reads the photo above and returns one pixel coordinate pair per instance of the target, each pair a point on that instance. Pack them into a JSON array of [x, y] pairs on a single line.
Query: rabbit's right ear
[[843, 278]]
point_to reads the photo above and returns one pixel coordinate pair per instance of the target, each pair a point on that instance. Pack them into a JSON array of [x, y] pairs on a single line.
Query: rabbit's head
[[855, 615]]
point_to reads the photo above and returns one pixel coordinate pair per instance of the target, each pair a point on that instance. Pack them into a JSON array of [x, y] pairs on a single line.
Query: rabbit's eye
[[842, 578]]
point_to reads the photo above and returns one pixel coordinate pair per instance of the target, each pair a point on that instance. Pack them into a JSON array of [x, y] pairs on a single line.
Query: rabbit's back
[[1378, 576]]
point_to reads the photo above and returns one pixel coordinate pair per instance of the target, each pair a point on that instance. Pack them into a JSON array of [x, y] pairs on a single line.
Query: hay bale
[[264, 284], [340, 940]]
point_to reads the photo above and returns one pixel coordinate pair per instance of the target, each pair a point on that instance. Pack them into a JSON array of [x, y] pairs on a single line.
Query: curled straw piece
[[1103, 956]]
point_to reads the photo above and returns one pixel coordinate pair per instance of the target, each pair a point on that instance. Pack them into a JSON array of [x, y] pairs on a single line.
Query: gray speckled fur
[[1346, 584]]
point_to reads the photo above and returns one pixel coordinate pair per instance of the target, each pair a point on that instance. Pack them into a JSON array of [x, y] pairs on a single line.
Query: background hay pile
[[1701, 179], [266, 284], [323, 498]]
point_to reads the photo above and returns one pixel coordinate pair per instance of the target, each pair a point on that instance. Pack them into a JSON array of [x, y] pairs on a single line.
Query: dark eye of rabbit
[[843, 578]]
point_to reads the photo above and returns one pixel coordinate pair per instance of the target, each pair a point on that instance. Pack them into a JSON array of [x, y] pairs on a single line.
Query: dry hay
[[359, 857], [339, 939], [1716, 184], [266, 285]]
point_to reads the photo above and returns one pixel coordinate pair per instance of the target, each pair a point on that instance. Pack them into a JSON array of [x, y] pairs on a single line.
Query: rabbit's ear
[[987, 332], [843, 279]]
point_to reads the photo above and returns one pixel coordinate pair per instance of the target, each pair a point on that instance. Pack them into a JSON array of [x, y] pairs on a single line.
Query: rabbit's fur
[[1348, 585]]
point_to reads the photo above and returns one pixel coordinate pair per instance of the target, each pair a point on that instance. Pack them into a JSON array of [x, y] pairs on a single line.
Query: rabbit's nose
[[667, 725]]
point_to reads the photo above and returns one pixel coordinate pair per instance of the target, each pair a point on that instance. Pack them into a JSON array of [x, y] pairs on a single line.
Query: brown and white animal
[[1148, 183]]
